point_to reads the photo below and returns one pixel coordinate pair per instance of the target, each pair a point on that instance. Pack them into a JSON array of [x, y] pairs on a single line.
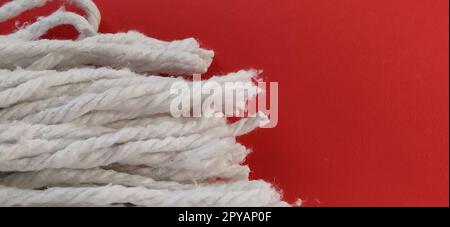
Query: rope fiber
[[87, 122]]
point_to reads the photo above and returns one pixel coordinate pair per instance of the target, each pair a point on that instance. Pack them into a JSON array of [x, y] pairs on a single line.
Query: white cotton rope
[[88, 122]]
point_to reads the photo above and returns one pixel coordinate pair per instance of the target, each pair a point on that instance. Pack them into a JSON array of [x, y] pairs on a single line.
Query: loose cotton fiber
[[90, 122]]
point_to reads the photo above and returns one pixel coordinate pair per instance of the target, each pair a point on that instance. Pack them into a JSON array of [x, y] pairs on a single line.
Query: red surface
[[363, 103]]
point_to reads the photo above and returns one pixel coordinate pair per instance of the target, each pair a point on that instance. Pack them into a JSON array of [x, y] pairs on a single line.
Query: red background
[[363, 88]]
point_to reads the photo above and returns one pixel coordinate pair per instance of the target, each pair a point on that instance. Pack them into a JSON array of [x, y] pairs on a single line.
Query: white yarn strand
[[88, 122], [15, 8]]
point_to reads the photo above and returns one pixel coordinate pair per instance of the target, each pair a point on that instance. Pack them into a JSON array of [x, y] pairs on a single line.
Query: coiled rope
[[88, 123]]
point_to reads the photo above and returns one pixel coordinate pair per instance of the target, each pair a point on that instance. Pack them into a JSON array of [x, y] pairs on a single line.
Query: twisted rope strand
[[89, 122]]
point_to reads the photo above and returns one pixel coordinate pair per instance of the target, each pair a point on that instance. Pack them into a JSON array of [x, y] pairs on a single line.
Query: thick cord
[[89, 122]]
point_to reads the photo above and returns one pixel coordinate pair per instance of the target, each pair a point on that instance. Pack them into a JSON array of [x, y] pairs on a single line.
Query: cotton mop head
[[91, 122]]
